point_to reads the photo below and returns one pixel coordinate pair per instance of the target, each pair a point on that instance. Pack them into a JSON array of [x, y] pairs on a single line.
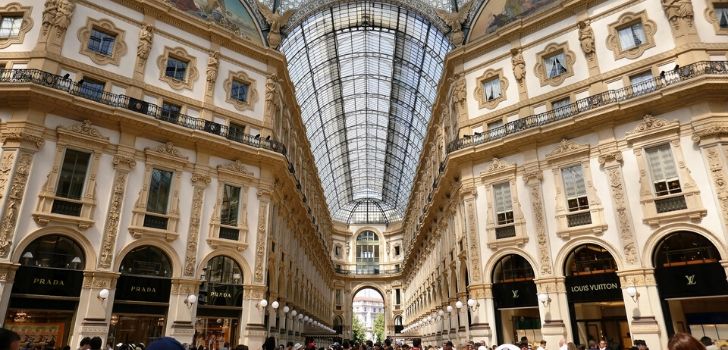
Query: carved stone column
[[181, 314], [533, 177], [94, 313], [252, 332], [123, 164], [261, 241], [470, 224], [482, 313], [611, 161], [199, 183], [644, 312], [711, 138], [16, 161], [7, 276], [555, 319]]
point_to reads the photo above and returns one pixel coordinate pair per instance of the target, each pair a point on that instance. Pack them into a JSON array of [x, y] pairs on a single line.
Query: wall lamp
[[459, 304], [544, 298], [473, 305], [449, 308], [103, 295], [262, 304], [633, 293], [190, 300]]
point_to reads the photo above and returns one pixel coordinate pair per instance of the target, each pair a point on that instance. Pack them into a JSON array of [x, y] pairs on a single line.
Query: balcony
[[57, 82], [592, 102], [368, 271]]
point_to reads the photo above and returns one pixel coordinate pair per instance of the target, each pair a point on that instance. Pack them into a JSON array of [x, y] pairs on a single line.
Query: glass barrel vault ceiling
[[366, 76]]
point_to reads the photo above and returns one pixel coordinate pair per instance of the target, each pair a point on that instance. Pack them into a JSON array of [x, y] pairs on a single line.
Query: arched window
[[367, 253], [589, 259], [512, 268], [146, 261], [684, 248], [54, 251], [224, 270]]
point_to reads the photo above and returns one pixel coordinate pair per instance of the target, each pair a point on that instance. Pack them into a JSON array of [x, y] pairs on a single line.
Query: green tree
[[358, 333], [379, 328]]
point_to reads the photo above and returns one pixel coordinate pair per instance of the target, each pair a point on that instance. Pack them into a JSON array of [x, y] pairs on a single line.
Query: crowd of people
[[10, 340]]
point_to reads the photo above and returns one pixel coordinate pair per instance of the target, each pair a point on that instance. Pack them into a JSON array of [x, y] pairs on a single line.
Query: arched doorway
[[46, 291], [367, 253], [220, 304], [398, 324], [596, 305], [692, 285], [368, 319], [142, 296], [514, 300], [338, 324]]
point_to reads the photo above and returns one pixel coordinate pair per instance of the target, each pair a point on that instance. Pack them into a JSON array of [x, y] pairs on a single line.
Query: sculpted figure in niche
[[519, 65], [586, 38], [455, 21], [678, 11], [145, 42], [212, 64], [49, 14], [276, 22], [63, 15]]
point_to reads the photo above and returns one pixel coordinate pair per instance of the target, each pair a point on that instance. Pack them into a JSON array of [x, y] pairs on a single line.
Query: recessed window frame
[[234, 174], [191, 73], [107, 27], [15, 9], [501, 172], [241, 77], [712, 12], [628, 19], [80, 137], [542, 66], [490, 76]]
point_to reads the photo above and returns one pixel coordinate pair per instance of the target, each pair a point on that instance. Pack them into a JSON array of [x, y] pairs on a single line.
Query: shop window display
[[220, 304], [45, 292]]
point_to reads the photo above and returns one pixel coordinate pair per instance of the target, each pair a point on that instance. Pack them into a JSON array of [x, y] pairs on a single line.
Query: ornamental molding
[[9, 219], [650, 127], [568, 148], [84, 128], [106, 26], [25, 26]]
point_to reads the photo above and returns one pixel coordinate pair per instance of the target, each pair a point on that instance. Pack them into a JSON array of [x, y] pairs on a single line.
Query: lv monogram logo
[[691, 280], [515, 293]]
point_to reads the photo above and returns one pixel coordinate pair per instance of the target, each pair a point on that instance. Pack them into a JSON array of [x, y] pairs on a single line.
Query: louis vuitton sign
[[691, 280], [590, 288], [515, 294]]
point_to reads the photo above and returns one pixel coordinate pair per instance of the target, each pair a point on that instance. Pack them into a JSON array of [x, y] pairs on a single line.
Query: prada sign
[[592, 288], [44, 281], [139, 288], [516, 294], [691, 280], [225, 295]]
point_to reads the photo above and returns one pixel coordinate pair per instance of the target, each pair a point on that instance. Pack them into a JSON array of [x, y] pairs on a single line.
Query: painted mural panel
[[498, 13], [230, 14]]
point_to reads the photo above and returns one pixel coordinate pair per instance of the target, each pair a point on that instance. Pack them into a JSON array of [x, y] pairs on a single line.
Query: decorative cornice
[[169, 149], [237, 167], [85, 128], [567, 147]]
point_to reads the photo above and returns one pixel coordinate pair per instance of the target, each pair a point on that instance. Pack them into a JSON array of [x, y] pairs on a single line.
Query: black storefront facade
[[45, 292], [220, 304], [515, 300], [692, 286], [141, 300], [594, 294]]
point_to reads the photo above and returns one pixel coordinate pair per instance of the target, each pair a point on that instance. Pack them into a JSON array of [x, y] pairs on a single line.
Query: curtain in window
[[722, 13], [661, 163], [492, 89], [555, 65], [631, 36], [573, 181], [502, 197]]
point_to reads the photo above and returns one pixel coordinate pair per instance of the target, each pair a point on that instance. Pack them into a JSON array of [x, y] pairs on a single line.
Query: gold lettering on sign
[[48, 282]]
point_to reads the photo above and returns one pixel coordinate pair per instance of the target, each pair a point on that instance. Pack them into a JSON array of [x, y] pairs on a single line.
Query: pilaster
[[94, 313], [181, 314], [7, 276]]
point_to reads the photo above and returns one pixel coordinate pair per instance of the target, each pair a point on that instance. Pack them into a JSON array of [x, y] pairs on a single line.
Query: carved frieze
[[199, 183], [15, 198]]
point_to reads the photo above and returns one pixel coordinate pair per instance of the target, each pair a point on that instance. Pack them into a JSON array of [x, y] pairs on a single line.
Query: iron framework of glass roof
[[366, 75]]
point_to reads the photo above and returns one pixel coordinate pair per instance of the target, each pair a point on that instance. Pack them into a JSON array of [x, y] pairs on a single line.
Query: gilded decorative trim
[[108, 27], [15, 8], [15, 198]]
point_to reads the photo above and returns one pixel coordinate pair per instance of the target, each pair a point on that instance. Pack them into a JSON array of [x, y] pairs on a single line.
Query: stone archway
[[386, 306]]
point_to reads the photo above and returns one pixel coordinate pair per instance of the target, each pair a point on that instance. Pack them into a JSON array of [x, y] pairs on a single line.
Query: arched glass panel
[[398, 321], [684, 248], [224, 270], [54, 251], [146, 261], [367, 253], [589, 259], [512, 268]]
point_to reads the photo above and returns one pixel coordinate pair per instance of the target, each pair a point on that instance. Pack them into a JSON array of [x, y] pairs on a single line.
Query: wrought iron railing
[[368, 271], [579, 219], [664, 205], [592, 102], [57, 82]]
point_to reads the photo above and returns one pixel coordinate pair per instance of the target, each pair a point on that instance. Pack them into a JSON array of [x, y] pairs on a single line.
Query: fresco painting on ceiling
[[230, 14], [502, 12]]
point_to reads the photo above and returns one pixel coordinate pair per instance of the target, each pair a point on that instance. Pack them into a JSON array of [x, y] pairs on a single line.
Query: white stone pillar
[[7, 276], [252, 331], [180, 313], [555, 321], [94, 313], [644, 310]]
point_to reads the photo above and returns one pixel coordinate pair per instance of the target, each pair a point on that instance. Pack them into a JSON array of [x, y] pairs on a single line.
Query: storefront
[[220, 304], [692, 286], [515, 300], [142, 297], [596, 305], [45, 292]]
